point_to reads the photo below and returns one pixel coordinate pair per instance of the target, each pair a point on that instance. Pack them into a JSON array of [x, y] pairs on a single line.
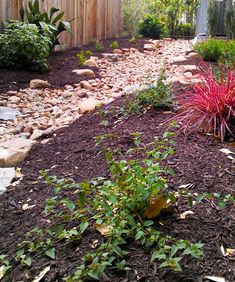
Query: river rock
[[91, 63], [39, 83], [85, 72], [86, 85], [6, 177], [7, 113], [89, 105], [14, 151]]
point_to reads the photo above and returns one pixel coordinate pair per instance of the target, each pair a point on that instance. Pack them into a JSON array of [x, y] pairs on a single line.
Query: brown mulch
[[61, 64], [72, 153]]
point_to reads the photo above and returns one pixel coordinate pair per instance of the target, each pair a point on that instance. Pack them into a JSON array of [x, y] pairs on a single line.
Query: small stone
[[179, 59], [89, 105], [7, 113], [86, 85], [85, 72], [112, 57], [36, 134], [134, 50], [117, 51], [94, 58], [11, 93], [149, 47], [28, 128], [6, 177], [14, 100], [39, 83], [91, 63]]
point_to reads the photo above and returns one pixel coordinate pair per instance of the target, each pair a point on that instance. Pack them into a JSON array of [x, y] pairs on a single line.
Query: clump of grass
[[114, 45]]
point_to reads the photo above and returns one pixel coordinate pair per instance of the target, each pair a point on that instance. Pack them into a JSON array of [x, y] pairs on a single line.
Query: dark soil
[[72, 153], [61, 65]]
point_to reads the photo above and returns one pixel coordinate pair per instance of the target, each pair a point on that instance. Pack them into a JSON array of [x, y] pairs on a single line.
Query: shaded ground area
[[61, 65], [72, 153]]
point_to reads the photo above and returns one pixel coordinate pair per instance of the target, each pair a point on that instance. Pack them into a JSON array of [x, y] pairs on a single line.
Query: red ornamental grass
[[210, 105]]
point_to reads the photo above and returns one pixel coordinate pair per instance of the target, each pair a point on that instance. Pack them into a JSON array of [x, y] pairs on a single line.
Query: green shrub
[[152, 27], [133, 40], [184, 30], [22, 46], [157, 96], [216, 50], [211, 49]]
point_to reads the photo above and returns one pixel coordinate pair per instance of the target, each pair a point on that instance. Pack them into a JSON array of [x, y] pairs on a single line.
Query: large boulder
[[39, 83], [14, 151]]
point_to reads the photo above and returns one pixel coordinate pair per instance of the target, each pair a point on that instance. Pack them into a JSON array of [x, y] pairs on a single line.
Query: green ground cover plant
[[114, 45], [153, 96]]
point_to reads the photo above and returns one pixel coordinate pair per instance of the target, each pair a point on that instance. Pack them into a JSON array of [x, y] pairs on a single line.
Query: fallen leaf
[[215, 278], [104, 229], [18, 172], [230, 252], [226, 151], [26, 207], [185, 214], [42, 274], [156, 205]]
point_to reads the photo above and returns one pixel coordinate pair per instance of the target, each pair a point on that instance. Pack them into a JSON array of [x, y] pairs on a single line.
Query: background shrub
[[184, 30], [211, 49], [216, 50], [152, 27], [22, 46]]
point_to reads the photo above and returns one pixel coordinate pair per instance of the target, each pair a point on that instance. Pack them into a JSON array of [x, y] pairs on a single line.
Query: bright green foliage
[[152, 27], [132, 40], [53, 20], [216, 50], [82, 56], [23, 46], [114, 45], [99, 45], [157, 96]]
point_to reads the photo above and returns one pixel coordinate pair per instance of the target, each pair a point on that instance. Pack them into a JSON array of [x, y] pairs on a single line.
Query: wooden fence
[[98, 19]]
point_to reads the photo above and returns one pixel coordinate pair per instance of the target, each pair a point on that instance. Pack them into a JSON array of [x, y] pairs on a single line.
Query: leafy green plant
[[4, 265], [151, 26], [23, 46], [82, 56], [217, 50], [133, 40], [157, 96], [99, 45], [114, 45], [53, 20], [121, 209]]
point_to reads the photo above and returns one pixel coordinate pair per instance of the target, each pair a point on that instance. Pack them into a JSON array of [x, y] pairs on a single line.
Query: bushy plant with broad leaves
[[23, 46], [151, 26], [210, 105], [52, 19]]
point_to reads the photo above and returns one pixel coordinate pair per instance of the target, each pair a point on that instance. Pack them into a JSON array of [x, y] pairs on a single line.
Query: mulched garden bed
[[72, 153], [61, 64]]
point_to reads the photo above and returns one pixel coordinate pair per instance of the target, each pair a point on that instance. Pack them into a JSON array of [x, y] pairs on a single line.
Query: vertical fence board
[[99, 19]]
